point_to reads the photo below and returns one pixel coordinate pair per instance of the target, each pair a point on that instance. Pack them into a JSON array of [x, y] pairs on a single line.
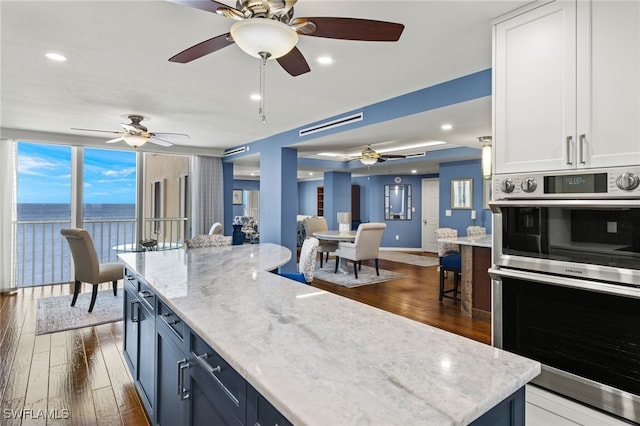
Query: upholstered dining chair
[[450, 261], [307, 261], [319, 224], [87, 268], [216, 228], [365, 246]]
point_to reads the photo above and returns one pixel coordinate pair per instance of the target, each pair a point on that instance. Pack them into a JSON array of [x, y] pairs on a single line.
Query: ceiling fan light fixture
[[258, 35], [135, 140], [368, 161]]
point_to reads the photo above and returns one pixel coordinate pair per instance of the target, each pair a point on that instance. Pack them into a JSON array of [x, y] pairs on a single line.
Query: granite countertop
[[323, 359], [470, 241]]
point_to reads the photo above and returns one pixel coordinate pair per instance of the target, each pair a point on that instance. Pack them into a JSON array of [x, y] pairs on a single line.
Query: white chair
[[365, 246], [87, 268], [216, 228], [319, 224], [450, 261]]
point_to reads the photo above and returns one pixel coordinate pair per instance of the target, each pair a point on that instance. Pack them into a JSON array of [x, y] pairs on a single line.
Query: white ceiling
[[118, 64]]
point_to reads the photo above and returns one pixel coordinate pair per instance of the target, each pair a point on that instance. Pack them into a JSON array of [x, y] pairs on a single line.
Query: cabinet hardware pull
[[202, 360], [568, 143], [133, 308], [182, 365], [145, 294], [167, 315], [582, 140]]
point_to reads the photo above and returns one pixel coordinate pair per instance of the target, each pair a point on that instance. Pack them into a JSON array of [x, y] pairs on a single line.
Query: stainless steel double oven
[[566, 281]]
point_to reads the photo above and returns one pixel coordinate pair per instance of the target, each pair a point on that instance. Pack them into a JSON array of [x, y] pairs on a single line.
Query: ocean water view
[[43, 255]]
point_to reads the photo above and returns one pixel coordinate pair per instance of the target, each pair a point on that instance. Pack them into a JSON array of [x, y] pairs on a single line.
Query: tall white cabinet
[[567, 87]]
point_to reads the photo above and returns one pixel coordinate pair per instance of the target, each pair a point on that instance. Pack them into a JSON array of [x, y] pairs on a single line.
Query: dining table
[[331, 235]]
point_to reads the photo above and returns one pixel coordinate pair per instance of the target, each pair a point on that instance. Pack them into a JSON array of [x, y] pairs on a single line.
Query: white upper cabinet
[[567, 87]]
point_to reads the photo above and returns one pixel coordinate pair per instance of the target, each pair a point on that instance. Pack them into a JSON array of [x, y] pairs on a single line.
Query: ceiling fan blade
[[381, 160], [159, 141], [353, 29], [206, 5], [129, 128], [94, 130], [202, 49], [115, 140], [393, 156], [294, 62], [171, 135]]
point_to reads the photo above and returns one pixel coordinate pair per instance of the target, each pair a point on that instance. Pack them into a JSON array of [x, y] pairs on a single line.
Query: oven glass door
[[582, 234], [587, 333]]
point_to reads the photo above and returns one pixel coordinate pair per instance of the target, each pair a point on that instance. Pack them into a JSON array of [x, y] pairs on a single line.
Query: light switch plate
[[447, 212], [612, 227]]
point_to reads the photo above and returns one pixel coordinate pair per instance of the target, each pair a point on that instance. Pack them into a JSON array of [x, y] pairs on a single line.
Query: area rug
[[411, 259], [56, 313], [366, 275]]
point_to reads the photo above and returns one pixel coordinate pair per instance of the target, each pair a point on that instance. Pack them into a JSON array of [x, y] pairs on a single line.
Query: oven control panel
[[585, 183]]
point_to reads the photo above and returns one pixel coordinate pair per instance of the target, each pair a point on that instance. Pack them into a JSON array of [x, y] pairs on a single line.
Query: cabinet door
[[534, 90], [131, 331], [608, 128], [207, 406], [171, 372], [261, 413], [146, 356]]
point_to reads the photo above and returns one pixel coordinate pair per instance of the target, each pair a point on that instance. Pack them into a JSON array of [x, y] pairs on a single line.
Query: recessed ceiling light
[[255, 97], [325, 60], [414, 171], [446, 127], [55, 57], [310, 173]]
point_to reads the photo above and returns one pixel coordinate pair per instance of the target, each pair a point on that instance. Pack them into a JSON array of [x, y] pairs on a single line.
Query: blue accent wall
[[409, 231], [238, 210], [460, 219]]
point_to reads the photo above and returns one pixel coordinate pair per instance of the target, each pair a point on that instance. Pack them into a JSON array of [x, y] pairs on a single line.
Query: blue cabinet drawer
[[170, 319], [230, 387], [146, 297]]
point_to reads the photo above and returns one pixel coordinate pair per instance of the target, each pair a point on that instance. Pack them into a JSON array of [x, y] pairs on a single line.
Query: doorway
[[430, 213]]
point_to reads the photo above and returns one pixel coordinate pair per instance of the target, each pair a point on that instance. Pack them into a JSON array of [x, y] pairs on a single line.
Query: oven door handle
[[619, 290], [497, 205]]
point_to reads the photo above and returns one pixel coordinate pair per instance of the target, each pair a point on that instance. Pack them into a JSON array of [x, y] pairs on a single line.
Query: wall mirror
[[461, 193], [397, 202]]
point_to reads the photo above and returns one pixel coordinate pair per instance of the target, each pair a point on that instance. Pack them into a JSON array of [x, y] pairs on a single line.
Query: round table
[[337, 236]]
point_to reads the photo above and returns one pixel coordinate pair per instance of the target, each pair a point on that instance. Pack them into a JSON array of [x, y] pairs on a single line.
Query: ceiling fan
[[135, 134], [369, 156], [268, 28]]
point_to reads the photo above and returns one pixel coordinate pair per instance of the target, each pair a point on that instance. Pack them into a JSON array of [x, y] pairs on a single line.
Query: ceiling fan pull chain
[[263, 63]]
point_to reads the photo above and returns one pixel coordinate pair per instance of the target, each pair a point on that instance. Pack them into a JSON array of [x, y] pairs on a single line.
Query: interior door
[[430, 213]]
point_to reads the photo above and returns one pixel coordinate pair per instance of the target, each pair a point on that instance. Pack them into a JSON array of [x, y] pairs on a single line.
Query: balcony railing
[[43, 256]]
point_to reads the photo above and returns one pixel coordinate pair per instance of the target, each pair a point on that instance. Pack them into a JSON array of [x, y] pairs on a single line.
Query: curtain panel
[[8, 214], [207, 200]]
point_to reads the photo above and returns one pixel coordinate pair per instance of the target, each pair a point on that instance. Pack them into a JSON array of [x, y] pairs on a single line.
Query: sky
[[44, 174]]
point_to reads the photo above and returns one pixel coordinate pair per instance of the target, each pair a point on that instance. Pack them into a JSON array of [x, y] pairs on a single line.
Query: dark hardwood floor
[[79, 377]]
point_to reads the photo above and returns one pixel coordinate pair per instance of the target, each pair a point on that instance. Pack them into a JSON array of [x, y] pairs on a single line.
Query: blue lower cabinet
[[139, 341], [172, 372], [509, 412], [206, 405], [261, 413]]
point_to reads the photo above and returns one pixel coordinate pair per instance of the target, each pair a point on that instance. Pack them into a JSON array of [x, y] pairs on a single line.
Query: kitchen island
[[315, 357]]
